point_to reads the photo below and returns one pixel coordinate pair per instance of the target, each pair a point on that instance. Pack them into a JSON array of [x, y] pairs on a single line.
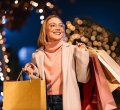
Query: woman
[[62, 65]]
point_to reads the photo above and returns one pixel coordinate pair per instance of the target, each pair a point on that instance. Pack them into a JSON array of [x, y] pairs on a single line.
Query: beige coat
[[74, 67]]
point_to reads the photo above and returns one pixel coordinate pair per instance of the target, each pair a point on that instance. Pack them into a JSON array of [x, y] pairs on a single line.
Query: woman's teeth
[[57, 33]]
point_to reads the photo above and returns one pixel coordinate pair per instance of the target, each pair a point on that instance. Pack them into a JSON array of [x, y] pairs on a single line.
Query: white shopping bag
[[109, 64]]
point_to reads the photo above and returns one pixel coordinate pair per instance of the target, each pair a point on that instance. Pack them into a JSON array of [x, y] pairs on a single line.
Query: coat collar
[[42, 48], [65, 58]]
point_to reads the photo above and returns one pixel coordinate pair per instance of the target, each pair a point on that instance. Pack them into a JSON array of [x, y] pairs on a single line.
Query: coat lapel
[[40, 62], [65, 58]]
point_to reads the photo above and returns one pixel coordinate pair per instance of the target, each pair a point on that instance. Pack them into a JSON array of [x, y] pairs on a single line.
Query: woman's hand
[[29, 68], [81, 45]]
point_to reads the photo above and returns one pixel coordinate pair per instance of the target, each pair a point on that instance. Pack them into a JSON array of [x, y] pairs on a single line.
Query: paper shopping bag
[[24, 95], [89, 100], [92, 100], [111, 68], [105, 94]]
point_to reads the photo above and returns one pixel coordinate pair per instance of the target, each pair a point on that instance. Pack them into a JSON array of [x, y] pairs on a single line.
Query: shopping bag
[[106, 98], [111, 68], [24, 95], [89, 100]]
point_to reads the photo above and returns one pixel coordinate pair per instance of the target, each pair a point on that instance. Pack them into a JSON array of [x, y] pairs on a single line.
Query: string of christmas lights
[[15, 12], [4, 69]]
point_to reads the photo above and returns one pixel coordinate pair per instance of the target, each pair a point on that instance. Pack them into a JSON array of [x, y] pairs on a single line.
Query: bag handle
[[21, 74]]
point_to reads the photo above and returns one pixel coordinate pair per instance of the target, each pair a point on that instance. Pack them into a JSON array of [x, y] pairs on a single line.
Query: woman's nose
[[57, 28]]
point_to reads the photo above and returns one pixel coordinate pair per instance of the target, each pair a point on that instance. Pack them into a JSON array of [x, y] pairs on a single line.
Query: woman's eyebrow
[[54, 23], [51, 23], [61, 23]]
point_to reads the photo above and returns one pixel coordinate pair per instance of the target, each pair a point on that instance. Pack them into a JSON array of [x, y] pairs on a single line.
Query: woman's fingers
[[81, 45], [29, 68]]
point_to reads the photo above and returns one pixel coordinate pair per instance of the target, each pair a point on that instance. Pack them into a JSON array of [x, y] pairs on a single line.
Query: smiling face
[[54, 29]]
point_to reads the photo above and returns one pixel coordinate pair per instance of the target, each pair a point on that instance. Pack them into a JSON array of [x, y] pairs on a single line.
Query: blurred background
[[20, 22]]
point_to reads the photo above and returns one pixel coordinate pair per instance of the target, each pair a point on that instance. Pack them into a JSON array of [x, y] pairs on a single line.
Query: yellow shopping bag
[[24, 95]]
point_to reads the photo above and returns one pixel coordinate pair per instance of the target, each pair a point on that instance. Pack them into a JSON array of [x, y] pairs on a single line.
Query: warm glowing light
[[5, 56], [3, 17], [25, 8], [31, 2], [7, 78], [41, 17], [4, 20], [51, 6], [8, 70], [1, 74], [0, 36], [42, 21], [35, 4], [40, 10], [2, 78], [48, 4], [16, 2], [1, 41], [6, 60], [3, 49], [1, 93]]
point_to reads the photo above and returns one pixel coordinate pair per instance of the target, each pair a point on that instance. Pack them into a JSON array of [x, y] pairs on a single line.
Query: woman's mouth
[[57, 33]]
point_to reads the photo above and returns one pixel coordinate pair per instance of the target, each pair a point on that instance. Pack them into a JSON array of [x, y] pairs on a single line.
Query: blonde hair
[[42, 40]]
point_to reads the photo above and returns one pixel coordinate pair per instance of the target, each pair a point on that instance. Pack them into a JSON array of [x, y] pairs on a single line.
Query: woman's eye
[[52, 25], [61, 25]]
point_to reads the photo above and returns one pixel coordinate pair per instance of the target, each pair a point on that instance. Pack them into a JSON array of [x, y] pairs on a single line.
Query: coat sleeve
[[35, 74], [82, 64]]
